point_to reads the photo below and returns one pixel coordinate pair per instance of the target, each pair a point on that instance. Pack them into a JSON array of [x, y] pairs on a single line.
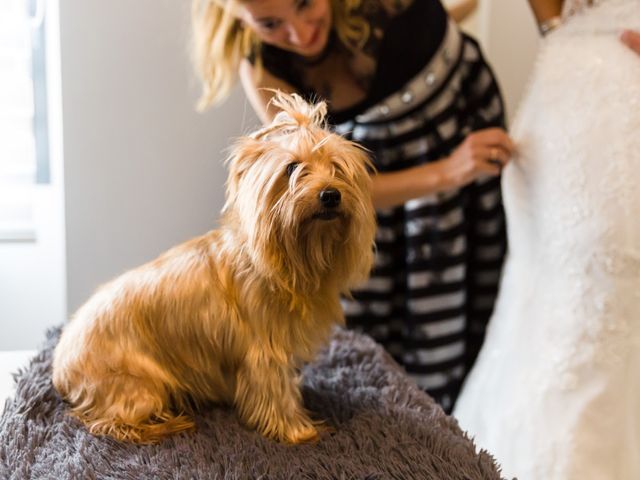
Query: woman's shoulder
[[378, 13], [375, 10], [391, 7]]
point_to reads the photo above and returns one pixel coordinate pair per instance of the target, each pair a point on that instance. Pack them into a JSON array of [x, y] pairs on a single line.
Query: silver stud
[[407, 97], [430, 78], [384, 110]]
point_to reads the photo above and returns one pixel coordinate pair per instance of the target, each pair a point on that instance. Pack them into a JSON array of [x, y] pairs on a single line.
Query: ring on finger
[[494, 158]]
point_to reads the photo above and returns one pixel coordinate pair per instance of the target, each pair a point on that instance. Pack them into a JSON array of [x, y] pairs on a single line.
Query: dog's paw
[[302, 434], [325, 430]]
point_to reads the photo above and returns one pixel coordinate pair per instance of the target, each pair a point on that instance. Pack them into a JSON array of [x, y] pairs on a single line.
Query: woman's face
[[299, 26]]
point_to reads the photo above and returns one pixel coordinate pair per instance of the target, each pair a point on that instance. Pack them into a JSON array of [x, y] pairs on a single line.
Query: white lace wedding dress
[[555, 392]]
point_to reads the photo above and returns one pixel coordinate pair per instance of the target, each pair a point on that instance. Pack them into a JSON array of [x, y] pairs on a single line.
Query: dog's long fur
[[230, 316]]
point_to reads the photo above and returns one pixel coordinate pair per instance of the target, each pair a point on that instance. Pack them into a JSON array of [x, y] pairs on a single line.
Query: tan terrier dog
[[230, 316]]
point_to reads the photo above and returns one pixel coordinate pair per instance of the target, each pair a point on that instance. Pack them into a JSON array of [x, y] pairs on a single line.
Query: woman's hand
[[631, 39], [482, 153]]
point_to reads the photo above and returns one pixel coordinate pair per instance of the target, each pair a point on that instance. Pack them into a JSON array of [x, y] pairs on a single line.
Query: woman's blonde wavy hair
[[221, 41]]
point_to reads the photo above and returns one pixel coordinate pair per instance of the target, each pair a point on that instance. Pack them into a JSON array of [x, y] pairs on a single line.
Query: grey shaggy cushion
[[385, 428]]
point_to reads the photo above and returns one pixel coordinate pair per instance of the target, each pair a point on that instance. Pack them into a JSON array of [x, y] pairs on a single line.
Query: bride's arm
[[462, 9], [547, 13], [546, 9]]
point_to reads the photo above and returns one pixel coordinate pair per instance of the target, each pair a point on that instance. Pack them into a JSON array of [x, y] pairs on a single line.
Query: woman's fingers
[[483, 153], [631, 38], [498, 156], [492, 146], [495, 137], [491, 160]]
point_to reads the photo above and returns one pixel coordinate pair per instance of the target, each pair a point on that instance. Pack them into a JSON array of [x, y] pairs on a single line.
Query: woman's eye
[[291, 168], [302, 4], [269, 24]]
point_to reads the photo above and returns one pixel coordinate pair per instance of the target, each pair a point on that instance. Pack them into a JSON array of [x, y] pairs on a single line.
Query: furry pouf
[[384, 428]]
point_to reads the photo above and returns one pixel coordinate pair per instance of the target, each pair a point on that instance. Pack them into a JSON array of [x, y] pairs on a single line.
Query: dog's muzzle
[[329, 201], [330, 198]]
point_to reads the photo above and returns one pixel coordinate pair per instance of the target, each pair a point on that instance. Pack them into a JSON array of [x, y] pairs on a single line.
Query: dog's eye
[[291, 168]]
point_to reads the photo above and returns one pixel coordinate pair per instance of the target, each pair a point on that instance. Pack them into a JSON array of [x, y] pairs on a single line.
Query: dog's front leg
[[268, 398]]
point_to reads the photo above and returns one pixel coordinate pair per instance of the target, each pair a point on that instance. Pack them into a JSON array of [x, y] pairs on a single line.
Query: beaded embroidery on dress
[[571, 7], [555, 393]]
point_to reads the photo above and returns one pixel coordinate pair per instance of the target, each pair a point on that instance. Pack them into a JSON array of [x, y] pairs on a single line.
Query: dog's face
[[300, 181], [302, 198]]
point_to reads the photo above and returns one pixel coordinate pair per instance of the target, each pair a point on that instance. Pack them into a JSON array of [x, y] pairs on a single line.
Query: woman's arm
[[482, 153]]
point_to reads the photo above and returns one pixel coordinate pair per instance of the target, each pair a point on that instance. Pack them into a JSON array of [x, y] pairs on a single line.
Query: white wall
[[143, 170], [508, 34]]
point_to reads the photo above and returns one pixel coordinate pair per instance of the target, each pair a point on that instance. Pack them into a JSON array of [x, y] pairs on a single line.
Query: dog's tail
[[146, 432], [136, 412]]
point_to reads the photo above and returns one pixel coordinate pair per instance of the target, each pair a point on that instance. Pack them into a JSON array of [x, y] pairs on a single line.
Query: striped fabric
[[438, 257]]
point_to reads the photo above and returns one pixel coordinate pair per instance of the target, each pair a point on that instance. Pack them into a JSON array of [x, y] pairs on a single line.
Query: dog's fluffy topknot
[[295, 109], [294, 112]]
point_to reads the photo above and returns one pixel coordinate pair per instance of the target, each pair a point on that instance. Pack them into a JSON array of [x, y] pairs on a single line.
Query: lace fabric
[[598, 17], [571, 7]]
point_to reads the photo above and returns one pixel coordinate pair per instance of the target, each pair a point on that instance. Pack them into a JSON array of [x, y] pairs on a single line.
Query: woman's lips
[[311, 45]]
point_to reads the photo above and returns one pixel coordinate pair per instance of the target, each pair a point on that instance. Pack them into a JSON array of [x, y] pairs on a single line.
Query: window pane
[[17, 142]]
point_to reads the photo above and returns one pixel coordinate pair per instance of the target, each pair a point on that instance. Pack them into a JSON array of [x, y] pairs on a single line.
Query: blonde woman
[[404, 82]]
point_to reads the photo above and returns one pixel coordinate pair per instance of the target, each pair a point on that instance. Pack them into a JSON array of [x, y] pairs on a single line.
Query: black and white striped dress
[[438, 257]]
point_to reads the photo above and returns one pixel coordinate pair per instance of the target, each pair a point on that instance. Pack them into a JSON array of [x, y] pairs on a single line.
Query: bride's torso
[[573, 182], [570, 7], [611, 15], [571, 194]]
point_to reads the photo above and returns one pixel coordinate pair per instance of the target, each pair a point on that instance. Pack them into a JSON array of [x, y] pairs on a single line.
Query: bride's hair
[[220, 41]]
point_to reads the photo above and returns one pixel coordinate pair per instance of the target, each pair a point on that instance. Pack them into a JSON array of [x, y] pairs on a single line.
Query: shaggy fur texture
[[230, 317], [384, 428]]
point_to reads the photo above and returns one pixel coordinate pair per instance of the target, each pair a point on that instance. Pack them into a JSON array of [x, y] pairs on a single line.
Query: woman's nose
[[300, 33]]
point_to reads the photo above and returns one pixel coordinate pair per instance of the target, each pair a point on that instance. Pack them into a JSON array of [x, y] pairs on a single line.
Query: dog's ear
[[244, 154]]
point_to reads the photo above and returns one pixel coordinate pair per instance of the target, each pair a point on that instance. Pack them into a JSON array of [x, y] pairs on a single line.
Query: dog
[[231, 316]]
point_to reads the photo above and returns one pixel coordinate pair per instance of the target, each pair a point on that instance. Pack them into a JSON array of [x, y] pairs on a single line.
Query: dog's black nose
[[330, 198]]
